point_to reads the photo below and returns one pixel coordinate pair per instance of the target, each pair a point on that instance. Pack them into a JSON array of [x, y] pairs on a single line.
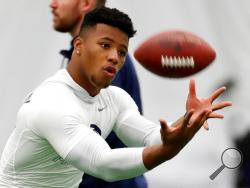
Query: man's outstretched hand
[[176, 136], [193, 102], [180, 132], [198, 110]]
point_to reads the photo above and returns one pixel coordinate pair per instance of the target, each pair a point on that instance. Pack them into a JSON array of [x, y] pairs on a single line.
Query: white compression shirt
[[60, 132]]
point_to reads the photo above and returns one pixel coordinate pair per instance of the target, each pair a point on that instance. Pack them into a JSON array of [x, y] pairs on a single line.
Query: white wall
[[29, 53]]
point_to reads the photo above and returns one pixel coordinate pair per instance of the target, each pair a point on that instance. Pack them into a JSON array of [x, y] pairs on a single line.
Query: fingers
[[165, 130], [200, 120], [187, 118], [221, 105], [192, 89], [164, 125], [205, 126], [215, 115], [217, 93]]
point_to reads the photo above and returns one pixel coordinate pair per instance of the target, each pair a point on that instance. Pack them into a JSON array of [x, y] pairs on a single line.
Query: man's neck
[[76, 30], [81, 80]]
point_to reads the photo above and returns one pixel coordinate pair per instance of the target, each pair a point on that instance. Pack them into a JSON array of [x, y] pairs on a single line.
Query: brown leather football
[[175, 54]]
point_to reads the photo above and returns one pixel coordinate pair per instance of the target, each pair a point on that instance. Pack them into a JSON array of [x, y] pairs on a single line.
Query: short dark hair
[[109, 16], [100, 3]]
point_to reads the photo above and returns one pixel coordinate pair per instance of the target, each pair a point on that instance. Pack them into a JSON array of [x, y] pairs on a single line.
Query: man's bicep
[[135, 130], [63, 132], [132, 128]]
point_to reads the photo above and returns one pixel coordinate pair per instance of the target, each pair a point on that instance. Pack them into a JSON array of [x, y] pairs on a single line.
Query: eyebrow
[[111, 40]]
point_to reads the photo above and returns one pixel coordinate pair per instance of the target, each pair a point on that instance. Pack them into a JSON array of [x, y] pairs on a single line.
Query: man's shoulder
[[118, 95], [53, 93], [114, 90], [55, 84]]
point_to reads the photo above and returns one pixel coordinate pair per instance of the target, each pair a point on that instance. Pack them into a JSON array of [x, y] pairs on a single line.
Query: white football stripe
[[177, 62]]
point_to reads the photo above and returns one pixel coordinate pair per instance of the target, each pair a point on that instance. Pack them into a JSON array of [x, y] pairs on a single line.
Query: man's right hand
[[182, 131]]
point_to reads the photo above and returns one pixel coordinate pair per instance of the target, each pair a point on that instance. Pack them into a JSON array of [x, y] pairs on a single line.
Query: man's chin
[[102, 83], [60, 29], [106, 85]]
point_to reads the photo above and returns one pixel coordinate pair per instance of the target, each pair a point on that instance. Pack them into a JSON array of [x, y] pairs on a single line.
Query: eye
[[105, 45], [123, 53]]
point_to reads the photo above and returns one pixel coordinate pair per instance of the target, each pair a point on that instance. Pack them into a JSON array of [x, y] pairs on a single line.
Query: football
[[175, 54]]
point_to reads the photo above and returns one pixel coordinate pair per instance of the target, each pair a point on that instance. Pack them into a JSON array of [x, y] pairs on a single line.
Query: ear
[[78, 42], [87, 5]]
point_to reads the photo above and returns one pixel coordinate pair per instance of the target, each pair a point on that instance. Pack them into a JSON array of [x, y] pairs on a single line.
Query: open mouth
[[110, 70]]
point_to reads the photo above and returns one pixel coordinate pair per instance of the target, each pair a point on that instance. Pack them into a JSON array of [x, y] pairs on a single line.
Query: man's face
[[103, 50], [67, 14]]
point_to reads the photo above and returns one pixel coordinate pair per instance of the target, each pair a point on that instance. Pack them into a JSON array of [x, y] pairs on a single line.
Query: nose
[[53, 4], [113, 56]]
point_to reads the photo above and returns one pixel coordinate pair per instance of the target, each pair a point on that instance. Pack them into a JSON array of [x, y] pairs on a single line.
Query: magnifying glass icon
[[231, 158]]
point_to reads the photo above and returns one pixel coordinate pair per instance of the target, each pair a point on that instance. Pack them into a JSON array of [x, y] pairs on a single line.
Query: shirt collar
[[63, 76]]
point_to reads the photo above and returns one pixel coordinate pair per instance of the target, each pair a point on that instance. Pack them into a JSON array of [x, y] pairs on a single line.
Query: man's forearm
[[155, 155]]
